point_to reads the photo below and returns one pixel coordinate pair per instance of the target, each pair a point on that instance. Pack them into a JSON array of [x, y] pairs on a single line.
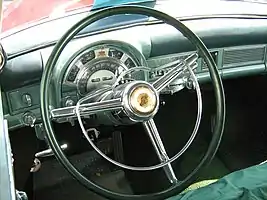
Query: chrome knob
[[29, 119], [69, 102], [27, 99]]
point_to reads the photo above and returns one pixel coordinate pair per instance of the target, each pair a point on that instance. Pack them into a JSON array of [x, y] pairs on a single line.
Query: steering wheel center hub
[[143, 100], [140, 101]]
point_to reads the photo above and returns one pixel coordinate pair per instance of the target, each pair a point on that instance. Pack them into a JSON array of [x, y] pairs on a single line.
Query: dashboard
[[91, 61]]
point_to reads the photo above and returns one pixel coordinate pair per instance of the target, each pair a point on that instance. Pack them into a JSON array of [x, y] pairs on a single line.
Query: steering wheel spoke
[[181, 66], [87, 109], [158, 145]]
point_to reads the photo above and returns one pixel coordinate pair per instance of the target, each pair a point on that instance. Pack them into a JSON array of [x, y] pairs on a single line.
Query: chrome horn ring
[[185, 66]]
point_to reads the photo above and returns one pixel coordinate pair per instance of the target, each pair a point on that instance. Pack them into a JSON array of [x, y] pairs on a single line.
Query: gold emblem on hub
[[143, 100]]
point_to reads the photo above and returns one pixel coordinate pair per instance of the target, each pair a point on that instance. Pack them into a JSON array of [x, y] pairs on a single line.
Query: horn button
[[141, 101]]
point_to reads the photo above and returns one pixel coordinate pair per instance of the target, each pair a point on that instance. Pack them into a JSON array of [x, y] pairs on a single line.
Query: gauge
[[73, 73], [129, 63], [101, 71], [115, 53], [87, 57], [101, 64]]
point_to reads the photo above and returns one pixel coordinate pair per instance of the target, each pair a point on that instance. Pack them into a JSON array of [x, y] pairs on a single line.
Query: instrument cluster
[[100, 65]]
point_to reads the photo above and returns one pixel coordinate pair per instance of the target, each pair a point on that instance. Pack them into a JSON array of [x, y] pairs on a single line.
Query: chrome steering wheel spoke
[[158, 145], [181, 66], [87, 109]]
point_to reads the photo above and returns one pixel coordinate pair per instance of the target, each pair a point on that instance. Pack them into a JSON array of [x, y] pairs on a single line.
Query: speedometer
[[100, 64], [99, 72]]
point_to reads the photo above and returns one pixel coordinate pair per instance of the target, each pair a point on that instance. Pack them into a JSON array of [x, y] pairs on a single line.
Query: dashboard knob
[[29, 119], [69, 102], [27, 99]]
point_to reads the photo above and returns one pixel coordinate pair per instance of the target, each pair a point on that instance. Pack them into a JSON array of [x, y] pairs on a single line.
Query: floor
[[67, 188]]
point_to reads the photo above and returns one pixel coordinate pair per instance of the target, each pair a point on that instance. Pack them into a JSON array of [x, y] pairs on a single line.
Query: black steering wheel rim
[[215, 78]]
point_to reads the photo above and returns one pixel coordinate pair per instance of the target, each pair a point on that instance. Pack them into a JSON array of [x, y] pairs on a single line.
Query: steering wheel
[[139, 101]]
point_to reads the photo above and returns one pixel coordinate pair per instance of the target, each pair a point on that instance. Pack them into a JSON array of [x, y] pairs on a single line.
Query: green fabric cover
[[247, 184]]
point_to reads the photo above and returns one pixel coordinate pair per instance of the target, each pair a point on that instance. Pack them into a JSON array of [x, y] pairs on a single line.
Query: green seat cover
[[246, 184]]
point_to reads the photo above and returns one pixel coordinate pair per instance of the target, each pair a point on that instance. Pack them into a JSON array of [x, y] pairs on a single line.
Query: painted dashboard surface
[[238, 53], [29, 37]]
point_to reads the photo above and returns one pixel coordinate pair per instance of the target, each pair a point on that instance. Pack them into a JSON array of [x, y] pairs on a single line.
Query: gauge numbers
[[98, 66]]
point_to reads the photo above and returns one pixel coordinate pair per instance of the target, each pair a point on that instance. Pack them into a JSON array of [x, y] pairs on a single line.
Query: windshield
[[21, 13]]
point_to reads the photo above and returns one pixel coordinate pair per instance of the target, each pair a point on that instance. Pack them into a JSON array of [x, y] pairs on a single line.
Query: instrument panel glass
[[98, 66]]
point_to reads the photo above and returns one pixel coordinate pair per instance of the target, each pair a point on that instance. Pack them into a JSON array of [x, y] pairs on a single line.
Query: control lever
[[93, 134], [49, 152], [20, 195]]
